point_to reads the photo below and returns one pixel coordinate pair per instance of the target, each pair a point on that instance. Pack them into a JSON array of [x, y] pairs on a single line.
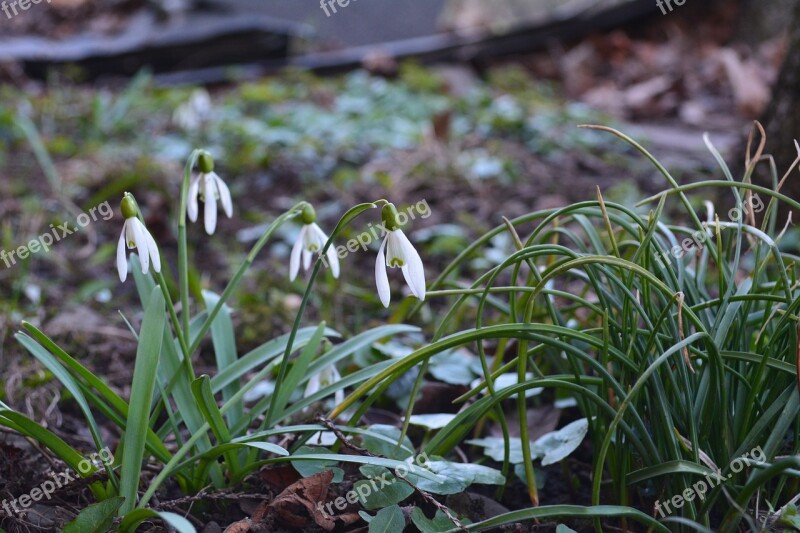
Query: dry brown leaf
[[278, 477], [750, 90], [242, 526], [297, 505]]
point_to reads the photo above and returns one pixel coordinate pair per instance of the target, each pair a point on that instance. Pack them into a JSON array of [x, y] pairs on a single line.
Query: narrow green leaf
[[297, 373], [566, 511], [151, 337], [154, 443], [201, 388], [224, 340]]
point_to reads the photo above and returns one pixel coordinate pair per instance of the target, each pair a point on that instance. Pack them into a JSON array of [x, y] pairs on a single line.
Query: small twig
[[205, 496], [425, 496]]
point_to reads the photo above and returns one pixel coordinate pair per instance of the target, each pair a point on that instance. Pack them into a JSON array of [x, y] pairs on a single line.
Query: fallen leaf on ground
[[297, 505]]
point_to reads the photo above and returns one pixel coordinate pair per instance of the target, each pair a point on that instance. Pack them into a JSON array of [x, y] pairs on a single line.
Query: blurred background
[[471, 105]]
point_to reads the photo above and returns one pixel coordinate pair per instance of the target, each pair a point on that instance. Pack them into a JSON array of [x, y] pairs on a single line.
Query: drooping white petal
[[319, 235], [294, 259], [413, 271], [210, 208], [338, 396], [194, 191], [313, 385], [224, 195], [141, 243], [381, 277], [122, 260], [130, 235], [306, 259], [333, 261], [394, 249], [152, 249]]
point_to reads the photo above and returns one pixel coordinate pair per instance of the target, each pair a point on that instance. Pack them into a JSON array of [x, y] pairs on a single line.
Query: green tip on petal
[[309, 215], [128, 206], [389, 216], [205, 162]]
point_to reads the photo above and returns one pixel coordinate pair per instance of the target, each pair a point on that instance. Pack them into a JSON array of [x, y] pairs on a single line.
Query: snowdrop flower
[[135, 235], [399, 254], [325, 378], [210, 188], [311, 240], [192, 114]]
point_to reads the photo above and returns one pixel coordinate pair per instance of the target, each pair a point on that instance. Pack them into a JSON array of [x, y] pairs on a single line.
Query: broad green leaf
[[432, 421], [438, 524], [309, 468], [96, 518], [133, 519], [381, 489], [387, 448], [453, 367], [457, 476], [494, 447], [388, 520], [557, 445]]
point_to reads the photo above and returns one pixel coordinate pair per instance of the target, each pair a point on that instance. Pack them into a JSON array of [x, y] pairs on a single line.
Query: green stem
[[349, 216], [183, 261], [237, 278], [187, 360]]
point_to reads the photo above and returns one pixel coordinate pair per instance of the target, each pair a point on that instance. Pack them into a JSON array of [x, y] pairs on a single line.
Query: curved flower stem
[[348, 217], [187, 361], [183, 262], [162, 283], [237, 278]]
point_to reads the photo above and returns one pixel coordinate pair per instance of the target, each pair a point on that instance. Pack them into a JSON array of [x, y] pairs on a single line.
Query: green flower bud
[[308, 214], [389, 216], [128, 206], [205, 162]]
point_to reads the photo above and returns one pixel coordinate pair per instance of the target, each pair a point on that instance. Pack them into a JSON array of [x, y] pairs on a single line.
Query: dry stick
[[425, 496], [205, 496]]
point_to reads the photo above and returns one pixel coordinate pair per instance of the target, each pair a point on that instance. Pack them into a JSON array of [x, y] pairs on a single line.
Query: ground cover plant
[[667, 331]]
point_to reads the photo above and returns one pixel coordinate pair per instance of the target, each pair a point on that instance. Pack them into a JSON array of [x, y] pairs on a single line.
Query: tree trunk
[[763, 20], [782, 118]]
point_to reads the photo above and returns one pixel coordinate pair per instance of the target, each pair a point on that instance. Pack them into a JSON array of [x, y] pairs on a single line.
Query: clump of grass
[[679, 342]]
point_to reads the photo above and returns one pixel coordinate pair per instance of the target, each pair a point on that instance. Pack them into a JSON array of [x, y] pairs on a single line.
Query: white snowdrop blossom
[[311, 240], [197, 110], [209, 187], [399, 253], [135, 235], [325, 378]]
